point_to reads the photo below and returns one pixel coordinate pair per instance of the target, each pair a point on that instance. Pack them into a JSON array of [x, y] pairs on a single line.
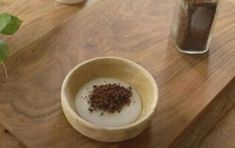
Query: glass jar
[[192, 25]]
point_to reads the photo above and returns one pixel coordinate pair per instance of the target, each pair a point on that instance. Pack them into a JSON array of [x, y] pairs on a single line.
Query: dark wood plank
[[206, 121], [223, 135], [7, 140]]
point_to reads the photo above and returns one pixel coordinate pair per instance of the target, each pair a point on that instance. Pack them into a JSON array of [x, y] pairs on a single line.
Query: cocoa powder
[[109, 98]]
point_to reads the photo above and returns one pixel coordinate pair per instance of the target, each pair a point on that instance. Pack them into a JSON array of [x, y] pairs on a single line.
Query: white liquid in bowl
[[128, 114]]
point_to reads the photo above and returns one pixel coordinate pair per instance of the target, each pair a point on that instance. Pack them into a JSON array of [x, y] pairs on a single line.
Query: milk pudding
[[127, 115]]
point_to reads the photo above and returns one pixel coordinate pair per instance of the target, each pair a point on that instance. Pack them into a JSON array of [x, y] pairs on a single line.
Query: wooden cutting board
[[55, 38]]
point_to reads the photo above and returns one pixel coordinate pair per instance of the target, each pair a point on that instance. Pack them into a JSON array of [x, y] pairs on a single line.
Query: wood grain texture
[[207, 119], [223, 135], [40, 17], [9, 141], [134, 29]]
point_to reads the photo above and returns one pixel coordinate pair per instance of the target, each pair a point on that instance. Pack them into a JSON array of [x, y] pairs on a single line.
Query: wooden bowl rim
[[65, 103]]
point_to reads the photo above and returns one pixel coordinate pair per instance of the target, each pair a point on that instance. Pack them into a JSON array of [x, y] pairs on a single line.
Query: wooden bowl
[[112, 67]]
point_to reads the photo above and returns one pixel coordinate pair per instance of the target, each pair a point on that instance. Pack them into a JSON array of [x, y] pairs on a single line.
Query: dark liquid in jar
[[195, 25]]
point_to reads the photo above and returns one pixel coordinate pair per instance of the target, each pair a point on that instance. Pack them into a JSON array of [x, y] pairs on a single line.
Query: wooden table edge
[[207, 119]]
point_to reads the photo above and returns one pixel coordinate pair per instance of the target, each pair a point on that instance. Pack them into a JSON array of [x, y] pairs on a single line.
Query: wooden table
[[223, 135], [195, 91]]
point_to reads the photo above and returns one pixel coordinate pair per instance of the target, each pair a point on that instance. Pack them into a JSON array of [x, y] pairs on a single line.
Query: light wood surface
[[39, 19], [54, 39]]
